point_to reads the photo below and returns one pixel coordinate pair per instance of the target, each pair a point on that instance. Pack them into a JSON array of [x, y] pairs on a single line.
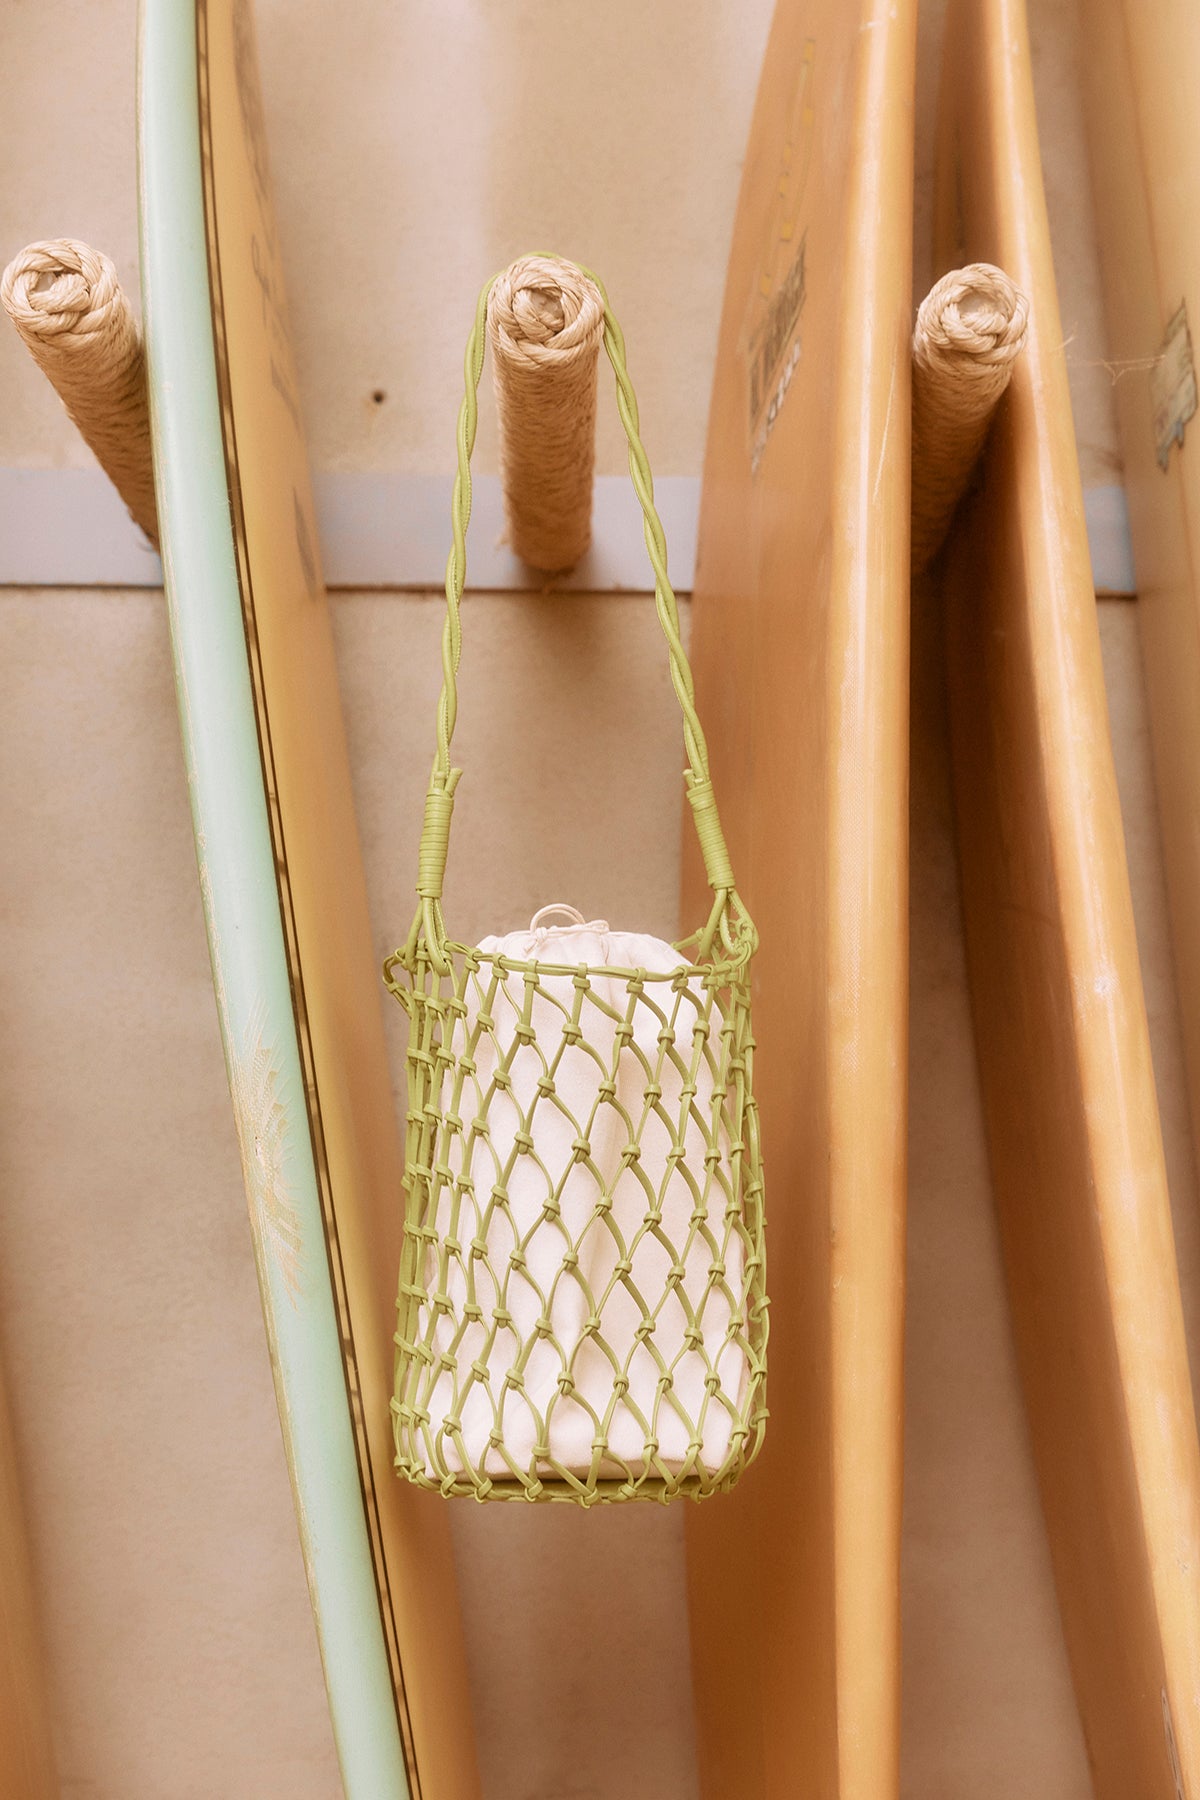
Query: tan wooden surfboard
[[1141, 77], [800, 650], [1060, 1023], [26, 1756]]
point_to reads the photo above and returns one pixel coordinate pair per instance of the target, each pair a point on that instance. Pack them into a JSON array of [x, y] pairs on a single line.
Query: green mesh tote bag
[[582, 1313]]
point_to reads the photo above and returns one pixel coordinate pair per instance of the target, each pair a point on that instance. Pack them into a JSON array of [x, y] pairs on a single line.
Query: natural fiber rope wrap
[[970, 327], [65, 300], [545, 326]]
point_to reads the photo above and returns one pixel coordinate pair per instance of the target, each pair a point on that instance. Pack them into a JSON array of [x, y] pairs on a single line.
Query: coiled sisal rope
[[65, 300], [545, 327], [970, 327]]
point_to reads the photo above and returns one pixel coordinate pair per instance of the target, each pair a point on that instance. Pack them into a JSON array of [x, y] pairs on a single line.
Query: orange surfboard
[[800, 652], [1060, 1023]]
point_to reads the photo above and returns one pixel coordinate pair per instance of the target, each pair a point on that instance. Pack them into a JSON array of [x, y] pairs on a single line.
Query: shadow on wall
[[418, 149]]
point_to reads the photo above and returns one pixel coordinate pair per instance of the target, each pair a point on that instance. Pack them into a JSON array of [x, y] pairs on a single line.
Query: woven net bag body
[[582, 1312]]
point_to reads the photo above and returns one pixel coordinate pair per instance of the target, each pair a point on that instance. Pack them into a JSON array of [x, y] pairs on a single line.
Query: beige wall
[[415, 149]]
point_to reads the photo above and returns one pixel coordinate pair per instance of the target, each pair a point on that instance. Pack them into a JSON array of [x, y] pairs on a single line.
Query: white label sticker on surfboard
[[1172, 1752], [1173, 386], [770, 337]]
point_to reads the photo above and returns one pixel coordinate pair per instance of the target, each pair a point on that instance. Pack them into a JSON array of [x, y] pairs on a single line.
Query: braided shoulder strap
[[728, 921]]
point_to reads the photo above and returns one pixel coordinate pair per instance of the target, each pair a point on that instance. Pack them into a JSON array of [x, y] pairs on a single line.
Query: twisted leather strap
[[735, 934]]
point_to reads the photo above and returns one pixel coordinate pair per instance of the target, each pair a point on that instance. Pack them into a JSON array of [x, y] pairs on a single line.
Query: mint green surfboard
[[294, 969]]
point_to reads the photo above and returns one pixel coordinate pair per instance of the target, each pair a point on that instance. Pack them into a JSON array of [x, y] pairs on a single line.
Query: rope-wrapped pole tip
[[970, 327], [65, 300], [545, 328]]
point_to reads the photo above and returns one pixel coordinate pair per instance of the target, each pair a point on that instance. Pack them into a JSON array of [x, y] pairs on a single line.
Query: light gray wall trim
[[1108, 540], [67, 528]]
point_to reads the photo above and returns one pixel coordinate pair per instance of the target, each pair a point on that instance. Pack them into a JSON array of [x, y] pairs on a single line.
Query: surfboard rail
[[27, 1770]]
